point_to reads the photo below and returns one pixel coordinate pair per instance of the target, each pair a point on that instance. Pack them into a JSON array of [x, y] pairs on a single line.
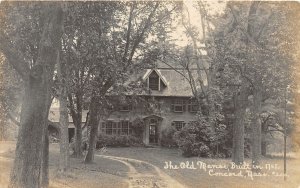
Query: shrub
[[167, 139], [195, 139], [84, 144]]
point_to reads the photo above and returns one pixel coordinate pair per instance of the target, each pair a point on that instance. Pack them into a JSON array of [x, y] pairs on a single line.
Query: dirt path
[[144, 174], [6, 147]]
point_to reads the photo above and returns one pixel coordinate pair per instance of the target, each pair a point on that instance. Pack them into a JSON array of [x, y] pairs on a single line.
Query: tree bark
[[257, 96], [238, 126], [263, 146], [28, 159], [77, 120], [27, 169], [78, 138], [256, 125], [45, 162], [238, 137], [63, 118], [263, 140], [93, 122], [45, 159]]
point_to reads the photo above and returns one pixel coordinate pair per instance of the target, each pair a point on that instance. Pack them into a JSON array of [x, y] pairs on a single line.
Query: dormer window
[[154, 81], [125, 107]]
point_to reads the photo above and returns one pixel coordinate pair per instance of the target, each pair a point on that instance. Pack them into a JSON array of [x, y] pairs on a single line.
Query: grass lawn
[[103, 173], [200, 178], [144, 167]]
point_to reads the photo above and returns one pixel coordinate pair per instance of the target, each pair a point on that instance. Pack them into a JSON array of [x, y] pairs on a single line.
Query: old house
[[171, 104], [167, 102], [54, 117]]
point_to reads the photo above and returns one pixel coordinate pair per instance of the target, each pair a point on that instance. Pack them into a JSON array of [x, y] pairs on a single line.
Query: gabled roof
[[54, 115], [148, 73], [177, 84]]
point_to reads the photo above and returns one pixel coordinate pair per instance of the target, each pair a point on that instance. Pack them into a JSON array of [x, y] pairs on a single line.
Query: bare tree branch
[[13, 57], [141, 35], [128, 30]]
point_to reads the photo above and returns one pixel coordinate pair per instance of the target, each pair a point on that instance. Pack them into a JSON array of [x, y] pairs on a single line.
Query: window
[[103, 127], [109, 128], [178, 105], [154, 81], [178, 125], [193, 106], [125, 108], [85, 105], [116, 128], [125, 128]]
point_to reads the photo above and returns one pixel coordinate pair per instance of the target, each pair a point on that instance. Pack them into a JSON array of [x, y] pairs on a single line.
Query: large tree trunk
[[263, 143], [263, 146], [77, 120], [27, 169], [256, 125], [63, 118], [45, 161], [264, 129], [28, 159], [64, 136], [238, 139], [257, 86], [93, 122], [78, 139], [2, 127]]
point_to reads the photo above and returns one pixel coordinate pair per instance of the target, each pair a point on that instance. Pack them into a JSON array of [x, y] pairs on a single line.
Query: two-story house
[[173, 106]]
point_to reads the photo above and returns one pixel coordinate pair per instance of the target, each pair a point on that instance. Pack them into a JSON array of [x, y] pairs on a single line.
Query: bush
[[195, 139], [84, 143], [167, 139], [117, 141]]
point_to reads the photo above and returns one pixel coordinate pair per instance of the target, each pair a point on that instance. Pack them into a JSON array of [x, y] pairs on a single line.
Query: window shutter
[[172, 106], [173, 124], [130, 128], [184, 105]]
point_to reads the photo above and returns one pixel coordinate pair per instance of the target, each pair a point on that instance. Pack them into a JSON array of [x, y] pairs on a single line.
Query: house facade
[[54, 117], [169, 103]]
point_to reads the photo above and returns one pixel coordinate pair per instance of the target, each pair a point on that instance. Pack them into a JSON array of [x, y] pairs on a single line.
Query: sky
[[213, 8]]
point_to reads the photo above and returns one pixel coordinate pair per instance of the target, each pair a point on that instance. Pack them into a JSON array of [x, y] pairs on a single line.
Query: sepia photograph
[[149, 94]]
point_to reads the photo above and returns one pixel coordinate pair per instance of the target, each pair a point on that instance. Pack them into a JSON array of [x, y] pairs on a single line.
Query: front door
[[153, 131]]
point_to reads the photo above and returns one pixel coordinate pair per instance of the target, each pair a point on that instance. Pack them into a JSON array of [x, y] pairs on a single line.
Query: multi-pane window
[[178, 125], [125, 127], [154, 81], [108, 128], [178, 105], [116, 128], [125, 107], [193, 106]]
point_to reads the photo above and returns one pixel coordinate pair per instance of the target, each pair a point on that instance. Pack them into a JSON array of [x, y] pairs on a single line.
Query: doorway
[[153, 131], [71, 133]]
